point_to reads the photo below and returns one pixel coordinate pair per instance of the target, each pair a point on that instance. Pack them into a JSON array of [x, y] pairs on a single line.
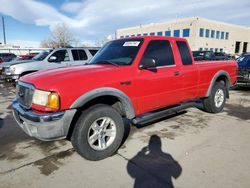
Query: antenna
[[4, 37]]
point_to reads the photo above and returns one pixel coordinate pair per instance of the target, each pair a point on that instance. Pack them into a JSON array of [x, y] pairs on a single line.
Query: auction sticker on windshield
[[131, 43]]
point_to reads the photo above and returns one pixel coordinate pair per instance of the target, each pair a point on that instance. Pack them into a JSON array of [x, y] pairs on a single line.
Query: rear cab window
[[184, 53], [161, 52]]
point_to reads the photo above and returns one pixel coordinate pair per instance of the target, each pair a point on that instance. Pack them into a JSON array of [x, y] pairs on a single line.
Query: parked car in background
[[1, 61], [52, 58], [27, 56], [221, 56], [243, 78], [24, 57], [39, 57], [203, 55], [210, 55], [6, 57]]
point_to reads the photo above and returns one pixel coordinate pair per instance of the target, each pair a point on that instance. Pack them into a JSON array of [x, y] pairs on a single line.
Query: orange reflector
[[53, 101]]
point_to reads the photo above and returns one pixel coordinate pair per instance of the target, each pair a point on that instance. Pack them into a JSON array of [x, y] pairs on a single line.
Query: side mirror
[[147, 63], [53, 59]]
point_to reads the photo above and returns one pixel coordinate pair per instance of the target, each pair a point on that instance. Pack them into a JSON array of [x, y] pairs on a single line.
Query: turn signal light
[[53, 101]]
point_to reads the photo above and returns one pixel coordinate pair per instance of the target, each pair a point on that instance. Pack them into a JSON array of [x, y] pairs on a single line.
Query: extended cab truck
[[52, 58], [141, 79]]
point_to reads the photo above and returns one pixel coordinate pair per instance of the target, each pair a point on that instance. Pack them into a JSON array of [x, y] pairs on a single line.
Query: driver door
[[59, 58], [159, 86]]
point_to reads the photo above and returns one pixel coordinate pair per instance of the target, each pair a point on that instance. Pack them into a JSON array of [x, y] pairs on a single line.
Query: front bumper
[[243, 80], [51, 126], [243, 77], [10, 77]]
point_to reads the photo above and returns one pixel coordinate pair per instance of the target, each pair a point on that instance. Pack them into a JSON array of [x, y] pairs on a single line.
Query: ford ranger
[[140, 79], [52, 58]]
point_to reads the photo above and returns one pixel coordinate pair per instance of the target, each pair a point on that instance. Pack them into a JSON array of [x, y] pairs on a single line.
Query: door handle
[[125, 83], [177, 73]]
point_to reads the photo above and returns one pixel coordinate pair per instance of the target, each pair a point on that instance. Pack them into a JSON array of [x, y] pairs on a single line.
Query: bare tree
[[60, 37], [104, 40], [48, 43]]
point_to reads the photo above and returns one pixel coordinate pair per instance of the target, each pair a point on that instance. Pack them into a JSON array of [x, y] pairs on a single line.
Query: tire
[[216, 100], [98, 132]]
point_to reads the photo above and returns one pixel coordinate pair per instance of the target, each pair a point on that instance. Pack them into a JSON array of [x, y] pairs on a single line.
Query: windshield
[[42, 55], [240, 59], [118, 52]]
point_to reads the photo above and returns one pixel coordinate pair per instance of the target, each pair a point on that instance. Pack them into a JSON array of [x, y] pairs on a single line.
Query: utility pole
[[4, 37]]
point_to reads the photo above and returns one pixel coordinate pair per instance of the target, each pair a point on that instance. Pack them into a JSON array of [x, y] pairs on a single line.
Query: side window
[[184, 52], [161, 52], [61, 55], [75, 55], [82, 55], [79, 55], [93, 52]]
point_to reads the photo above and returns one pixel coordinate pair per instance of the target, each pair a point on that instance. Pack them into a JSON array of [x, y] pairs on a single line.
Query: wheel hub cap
[[219, 98], [102, 133]]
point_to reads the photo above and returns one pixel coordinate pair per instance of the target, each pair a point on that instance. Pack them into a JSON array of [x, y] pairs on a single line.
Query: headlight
[[9, 70], [46, 99]]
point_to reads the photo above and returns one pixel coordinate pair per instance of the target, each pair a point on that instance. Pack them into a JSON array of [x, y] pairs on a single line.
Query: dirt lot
[[190, 149]]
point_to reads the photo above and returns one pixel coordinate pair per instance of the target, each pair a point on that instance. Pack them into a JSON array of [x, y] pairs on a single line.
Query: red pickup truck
[[141, 79]]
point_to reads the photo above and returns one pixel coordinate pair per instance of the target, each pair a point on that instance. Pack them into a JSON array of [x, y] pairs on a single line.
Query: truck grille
[[24, 94]]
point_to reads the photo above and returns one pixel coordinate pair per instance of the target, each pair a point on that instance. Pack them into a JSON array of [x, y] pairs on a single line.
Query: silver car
[[51, 58]]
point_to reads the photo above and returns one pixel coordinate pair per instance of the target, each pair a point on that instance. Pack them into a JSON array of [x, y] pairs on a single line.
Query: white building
[[17, 50], [202, 34]]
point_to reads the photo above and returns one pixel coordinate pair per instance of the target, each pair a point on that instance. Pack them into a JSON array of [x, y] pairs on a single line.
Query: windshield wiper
[[106, 62]]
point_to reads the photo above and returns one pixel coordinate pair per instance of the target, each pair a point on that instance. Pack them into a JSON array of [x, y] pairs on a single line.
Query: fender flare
[[216, 76], [106, 91]]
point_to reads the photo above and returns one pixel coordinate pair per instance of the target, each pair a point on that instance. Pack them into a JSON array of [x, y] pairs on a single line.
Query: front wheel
[[216, 100], [98, 133]]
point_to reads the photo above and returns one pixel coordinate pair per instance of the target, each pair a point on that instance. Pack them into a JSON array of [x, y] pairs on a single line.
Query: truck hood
[[54, 77], [7, 64]]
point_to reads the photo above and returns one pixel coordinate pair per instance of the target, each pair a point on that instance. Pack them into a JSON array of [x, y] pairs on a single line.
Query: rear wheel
[[98, 133], [216, 100]]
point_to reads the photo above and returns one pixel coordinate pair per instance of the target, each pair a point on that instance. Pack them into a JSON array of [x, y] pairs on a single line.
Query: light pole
[[4, 37]]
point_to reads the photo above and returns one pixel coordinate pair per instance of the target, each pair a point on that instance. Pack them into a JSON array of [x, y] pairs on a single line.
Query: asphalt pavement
[[189, 149]]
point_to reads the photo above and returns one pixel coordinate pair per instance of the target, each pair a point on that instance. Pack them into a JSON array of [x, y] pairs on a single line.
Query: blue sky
[[30, 21]]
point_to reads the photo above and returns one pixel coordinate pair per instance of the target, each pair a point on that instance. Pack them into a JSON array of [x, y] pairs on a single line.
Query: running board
[[152, 116]]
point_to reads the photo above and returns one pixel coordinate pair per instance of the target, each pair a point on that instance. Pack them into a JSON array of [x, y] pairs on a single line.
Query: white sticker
[[131, 43]]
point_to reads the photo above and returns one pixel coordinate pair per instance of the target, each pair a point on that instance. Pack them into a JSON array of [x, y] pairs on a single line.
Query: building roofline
[[224, 23], [183, 20]]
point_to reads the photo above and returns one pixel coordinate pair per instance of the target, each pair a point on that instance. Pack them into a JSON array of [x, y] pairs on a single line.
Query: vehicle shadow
[[151, 167]]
